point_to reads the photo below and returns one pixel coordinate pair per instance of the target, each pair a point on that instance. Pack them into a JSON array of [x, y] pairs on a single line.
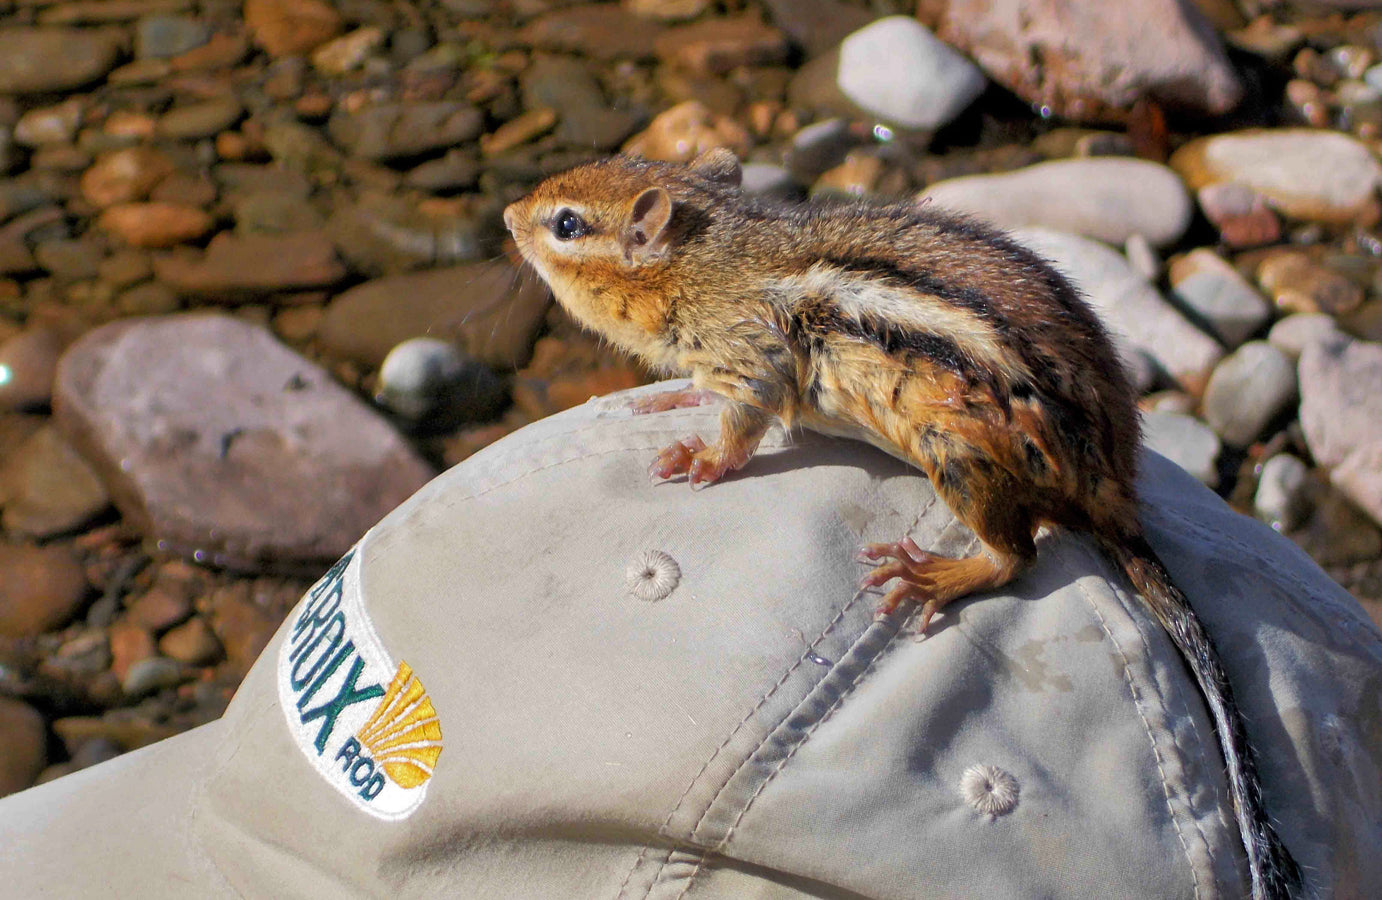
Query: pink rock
[[1082, 63], [223, 444]]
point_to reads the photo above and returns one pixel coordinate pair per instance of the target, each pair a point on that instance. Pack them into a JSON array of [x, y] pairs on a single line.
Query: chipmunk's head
[[601, 235]]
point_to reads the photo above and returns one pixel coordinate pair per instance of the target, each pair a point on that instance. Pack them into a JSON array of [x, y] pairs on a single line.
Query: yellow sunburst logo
[[404, 734]]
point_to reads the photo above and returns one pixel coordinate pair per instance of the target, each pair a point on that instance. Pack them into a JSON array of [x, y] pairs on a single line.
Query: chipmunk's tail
[[1273, 871]]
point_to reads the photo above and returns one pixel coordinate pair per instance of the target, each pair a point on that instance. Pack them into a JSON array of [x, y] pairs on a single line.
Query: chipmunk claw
[[664, 401], [677, 458]]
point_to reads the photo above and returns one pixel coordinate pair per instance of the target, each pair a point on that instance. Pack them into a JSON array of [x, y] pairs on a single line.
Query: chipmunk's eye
[[568, 226]]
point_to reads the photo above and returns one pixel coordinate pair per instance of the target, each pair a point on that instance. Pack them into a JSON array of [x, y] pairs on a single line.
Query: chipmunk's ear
[[645, 234], [719, 165]]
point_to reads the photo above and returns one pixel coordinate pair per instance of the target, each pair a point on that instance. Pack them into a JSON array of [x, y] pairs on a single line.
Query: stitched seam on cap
[[801, 740], [1146, 725], [787, 674]]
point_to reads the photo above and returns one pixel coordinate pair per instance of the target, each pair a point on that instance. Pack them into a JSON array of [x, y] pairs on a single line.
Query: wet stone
[[50, 124], [152, 674], [714, 46], [300, 468], [155, 225], [431, 383], [193, 643], [602, 31], [685, 131], [382, 234], [125, 176]]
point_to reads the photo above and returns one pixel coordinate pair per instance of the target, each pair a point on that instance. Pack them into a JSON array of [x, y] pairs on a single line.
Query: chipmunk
[[933, 337]]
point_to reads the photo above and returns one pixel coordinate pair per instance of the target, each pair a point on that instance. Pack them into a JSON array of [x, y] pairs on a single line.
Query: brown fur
[[936, 338]]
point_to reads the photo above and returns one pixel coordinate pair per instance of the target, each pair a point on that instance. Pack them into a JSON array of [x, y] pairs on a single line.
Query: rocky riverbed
[[254, 289]]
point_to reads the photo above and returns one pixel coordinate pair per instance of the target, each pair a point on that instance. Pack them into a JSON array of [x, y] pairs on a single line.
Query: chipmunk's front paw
[[667, 400]]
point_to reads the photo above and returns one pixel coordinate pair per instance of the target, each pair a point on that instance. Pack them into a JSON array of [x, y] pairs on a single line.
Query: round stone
[[898, 70]]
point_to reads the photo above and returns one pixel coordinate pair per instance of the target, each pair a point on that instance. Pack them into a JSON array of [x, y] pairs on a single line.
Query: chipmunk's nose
[[509, 214]]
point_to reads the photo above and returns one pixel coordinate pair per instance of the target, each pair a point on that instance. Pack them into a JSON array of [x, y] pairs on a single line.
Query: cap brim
[[131, 815]]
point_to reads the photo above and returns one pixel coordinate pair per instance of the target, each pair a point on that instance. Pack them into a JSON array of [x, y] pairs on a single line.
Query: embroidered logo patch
[[366, 725]]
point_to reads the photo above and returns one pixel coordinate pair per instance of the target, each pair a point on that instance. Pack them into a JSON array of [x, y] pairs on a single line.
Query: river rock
[[1205, 283], [430, 383], [381, 233], [222, 443], [1241, 214], [717, 45], [155, 225], [1136, 313], [193, 121], [193, 643], [1282, 492], [1106, 198], [43, 60], [487, 308], [1305, 173], [47, 489], [27, 363], [291, 27], [50, 124], [41, 588], [603, 31], [685, 131], [23, 745], [124, 176], [897, 70], [1250, 388], [236, 268], [1184, 440], [1298, 284], [1341, 415], [1294, 333], [1071, 58], [397, 130], [162, 36]]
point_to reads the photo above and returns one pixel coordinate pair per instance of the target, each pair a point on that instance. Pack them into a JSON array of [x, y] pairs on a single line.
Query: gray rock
[[222, 444], [1136, 313], [567, 85], [200, 120], [1282, 496], [1294, 333], [817, 148], [1340, 398], [399, 130], [1306, 173], [1142, 256], [1221, 297], [40, 60], [161, 36], [1249, 388], [898, 70], [382, 234], [152, 674], [1106, 198], [1184, 440], [490, 309], [432, 384], [456, 170], [768, 180]]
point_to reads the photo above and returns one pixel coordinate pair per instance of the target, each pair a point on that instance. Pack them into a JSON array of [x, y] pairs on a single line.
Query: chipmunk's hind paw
[[930, 580]]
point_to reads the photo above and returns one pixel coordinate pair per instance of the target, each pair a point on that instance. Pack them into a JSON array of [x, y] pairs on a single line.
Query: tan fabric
[[754, 733]]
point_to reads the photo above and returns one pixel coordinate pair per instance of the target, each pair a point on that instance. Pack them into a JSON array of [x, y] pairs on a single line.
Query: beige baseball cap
[[546, 676]]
